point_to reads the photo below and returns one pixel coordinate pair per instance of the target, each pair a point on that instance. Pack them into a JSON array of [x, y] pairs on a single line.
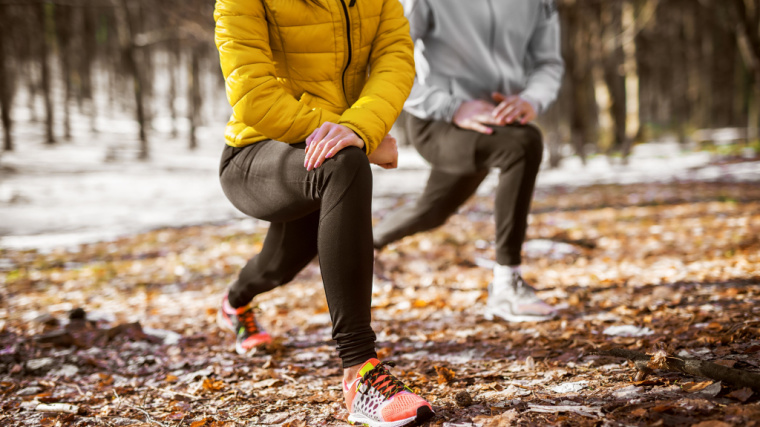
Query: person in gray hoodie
[[485, 70]]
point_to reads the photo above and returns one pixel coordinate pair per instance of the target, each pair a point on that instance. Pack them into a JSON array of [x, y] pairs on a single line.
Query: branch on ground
[[646, 364]]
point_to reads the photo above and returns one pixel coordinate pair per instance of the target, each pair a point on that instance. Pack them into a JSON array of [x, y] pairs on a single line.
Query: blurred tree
[[126, 24], [746, 14], [44, 12], [636, 69], [7, 77]]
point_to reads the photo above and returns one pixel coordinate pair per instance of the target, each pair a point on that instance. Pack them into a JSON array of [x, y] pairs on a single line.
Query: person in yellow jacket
[[315, 86]]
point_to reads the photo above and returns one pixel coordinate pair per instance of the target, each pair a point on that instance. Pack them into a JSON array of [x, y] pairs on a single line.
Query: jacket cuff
[[533, 103], [451, 109], [361, 135]]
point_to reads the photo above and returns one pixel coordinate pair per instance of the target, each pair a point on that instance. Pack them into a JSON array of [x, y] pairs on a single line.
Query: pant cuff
[[508, 259]]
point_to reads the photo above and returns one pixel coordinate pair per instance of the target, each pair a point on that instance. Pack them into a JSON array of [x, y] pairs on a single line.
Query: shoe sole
[[424, 413], [490, 316]]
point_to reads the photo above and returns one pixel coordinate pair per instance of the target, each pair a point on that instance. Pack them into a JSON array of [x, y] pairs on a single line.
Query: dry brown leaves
[[676, 264]]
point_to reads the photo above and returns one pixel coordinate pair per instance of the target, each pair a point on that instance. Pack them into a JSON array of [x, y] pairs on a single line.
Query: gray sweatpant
[[460, 160]]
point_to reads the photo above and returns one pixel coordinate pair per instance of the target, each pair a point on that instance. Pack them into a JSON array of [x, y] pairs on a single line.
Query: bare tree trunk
[[194, 95], [174, 62], [613, 61], [43, 21], [86, 62], [63, 26], [631, 70], [126, 36], [584, 109], [6, 82], [748, 38], [705, 52]]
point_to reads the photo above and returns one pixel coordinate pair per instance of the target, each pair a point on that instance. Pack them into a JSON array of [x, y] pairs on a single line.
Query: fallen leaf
[[503, 420], [694, 387], [711, 423], [638, 412], [445, 375], [201, 423], [742, 395], [712, 390], [725, 362], [659, 360], [210, 384]]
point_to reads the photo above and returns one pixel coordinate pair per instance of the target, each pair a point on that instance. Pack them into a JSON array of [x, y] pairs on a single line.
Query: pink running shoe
[[378, 399], [242, 322]]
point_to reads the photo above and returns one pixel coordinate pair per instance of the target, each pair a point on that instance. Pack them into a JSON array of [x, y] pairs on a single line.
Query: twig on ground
[[178, 393], [646, 364], [147, 414], [58, 407]]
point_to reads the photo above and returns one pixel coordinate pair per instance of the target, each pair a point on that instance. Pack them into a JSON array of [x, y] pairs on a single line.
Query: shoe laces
[[382, 380], [248, 320]]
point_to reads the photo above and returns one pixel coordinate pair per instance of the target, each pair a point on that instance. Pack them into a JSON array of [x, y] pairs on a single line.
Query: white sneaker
[[514, 300]]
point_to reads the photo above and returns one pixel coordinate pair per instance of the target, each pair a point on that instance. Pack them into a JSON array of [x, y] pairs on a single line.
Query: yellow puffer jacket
[[291, 65]]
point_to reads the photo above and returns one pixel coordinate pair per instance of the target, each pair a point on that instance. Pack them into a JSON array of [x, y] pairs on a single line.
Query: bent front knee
[[350, 161]]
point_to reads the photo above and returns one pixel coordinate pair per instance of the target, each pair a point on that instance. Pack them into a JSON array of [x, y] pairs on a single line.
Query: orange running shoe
[[242, 322], [378, 399]]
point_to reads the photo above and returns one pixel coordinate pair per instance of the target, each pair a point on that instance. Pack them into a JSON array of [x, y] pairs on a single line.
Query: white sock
[[505, 272]]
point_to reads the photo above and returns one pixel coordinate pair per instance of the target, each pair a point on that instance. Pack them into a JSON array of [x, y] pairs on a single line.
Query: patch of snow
[[66, 370], [628, 392], [545, 248], [92, 188], [627, 331], [570, 387]]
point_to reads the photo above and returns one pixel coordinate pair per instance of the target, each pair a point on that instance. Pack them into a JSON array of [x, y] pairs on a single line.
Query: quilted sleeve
[[390, 79], [257, 98]]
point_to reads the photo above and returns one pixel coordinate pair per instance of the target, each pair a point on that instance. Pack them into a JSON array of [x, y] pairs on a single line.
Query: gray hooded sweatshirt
[[467, 49]]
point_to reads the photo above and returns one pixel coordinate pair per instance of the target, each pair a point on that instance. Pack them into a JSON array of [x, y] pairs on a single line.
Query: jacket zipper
[[493, 39], [348, 35]]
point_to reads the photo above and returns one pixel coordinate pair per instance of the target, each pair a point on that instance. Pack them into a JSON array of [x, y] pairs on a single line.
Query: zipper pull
[[353, 2]]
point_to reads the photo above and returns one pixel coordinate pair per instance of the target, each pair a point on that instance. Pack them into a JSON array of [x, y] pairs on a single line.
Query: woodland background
[[644, 232], [636, 69]]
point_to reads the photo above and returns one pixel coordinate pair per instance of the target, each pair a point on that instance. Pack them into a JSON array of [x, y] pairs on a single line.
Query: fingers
[[333, 150], [478, 127], [528, 117], [514, 114], [508, 107], [327, 141], [315, 137], [326, 133], [328, 149]]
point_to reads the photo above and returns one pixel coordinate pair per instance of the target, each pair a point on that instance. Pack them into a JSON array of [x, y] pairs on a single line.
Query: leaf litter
[[125, 331]]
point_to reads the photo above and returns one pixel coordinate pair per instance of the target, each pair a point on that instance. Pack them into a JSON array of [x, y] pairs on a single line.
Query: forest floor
[[104, 308], [125, 330]]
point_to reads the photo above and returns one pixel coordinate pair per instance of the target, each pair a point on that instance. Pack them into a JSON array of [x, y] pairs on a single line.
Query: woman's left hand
[[386, 154], [326, 141]]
